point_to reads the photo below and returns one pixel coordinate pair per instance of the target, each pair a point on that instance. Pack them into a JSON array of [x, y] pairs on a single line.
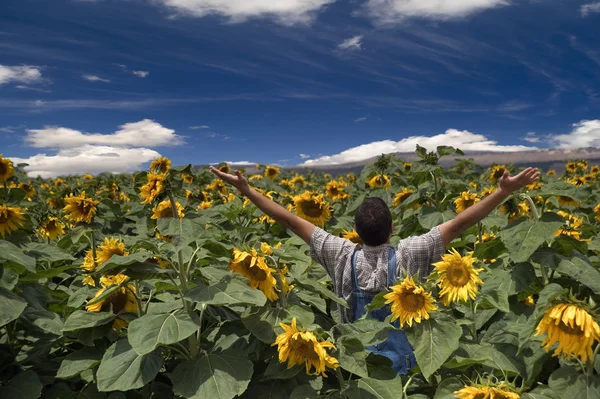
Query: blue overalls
[[396, 347]]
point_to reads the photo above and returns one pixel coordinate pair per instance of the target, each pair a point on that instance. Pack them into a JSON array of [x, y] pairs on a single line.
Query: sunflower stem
[[544, 274], [480, 232], [93, 242], [532, 206], [590, 362], [435, 186], [340, 377], [138, 299], [474, 324], [405, 387]]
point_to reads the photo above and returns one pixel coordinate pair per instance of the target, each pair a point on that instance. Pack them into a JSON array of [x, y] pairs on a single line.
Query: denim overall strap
[[396, 347]]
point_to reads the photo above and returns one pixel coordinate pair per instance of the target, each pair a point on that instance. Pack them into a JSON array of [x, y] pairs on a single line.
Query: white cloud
[[87, 159], [236, 163], [591, 8], [464, 140], [531, 137], [141, 74], [391, 11], [354, 43], [137, 134], [23, 87], [94, 78], [21, 74], [358, 120], [304, 156], [584, 134], [287, 12], [199, 127]]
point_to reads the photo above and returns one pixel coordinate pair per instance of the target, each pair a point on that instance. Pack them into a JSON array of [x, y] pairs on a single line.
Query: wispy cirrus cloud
[[95, 78], [285, 12], [393, 11], [361, 119], [353, 43], [141, 74], [198, 127], [591, 8], [20, 74]]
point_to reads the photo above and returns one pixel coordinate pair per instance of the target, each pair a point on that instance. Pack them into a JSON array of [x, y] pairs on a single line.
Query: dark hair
[[373, 221]]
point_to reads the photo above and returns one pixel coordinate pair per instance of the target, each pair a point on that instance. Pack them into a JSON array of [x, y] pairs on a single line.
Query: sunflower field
[[168, 284]]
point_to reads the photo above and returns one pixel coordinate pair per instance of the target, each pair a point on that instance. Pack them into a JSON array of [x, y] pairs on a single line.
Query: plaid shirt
[[416, 254]]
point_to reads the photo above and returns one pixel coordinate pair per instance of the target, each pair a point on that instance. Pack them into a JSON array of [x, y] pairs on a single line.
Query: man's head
[[373, 221]]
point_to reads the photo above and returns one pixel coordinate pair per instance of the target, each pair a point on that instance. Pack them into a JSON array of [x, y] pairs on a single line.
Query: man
[[359, 274]]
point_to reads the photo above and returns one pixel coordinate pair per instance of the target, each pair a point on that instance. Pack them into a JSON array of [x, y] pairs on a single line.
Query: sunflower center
[[3, 168], [570, 330], [303, 348], [51, 226], [333, 191], [468, 203], [311, 208], [412, 302], [457, 274]]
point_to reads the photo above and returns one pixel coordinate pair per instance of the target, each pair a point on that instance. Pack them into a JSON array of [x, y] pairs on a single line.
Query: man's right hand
[[238, 181]]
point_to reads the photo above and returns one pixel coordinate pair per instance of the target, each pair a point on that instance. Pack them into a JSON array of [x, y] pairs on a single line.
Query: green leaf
[[487, 355], [118, 262], [80, 319], [212, 376], [77, 362], [581, 271], [319, 288], [447, 387], [261, 322], [11, 306], [25, 385], [367, 331], [11, 253], [434, 340], [231, 292], [444, 150], [380, 389], [123, 369], [46, 252], [489, 250], [524, 238], [497, 286], [431, 217], [353, 357], [152, 330], [280, 371]]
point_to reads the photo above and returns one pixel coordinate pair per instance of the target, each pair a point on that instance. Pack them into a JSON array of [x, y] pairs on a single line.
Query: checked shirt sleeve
[[330, 251], [422, 251]]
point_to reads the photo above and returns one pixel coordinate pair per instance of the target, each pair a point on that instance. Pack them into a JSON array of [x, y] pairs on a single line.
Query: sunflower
[[10, 220], [51, 228], [566, 201], [496, 173], [58, 182], [255, 177], [597, 212], [87, 176], [551, 172], [7, 170], [572, 327], [402, 196], [410, 303], [205, 205], [474, 185], [224, 167], [122, 301], [297, 181], [486, 392], [351, 177], [457, 277], [88, 264], [164, 210], [153, 188], [572, 225], [514, 210], [380, 181], [529, 301], [466, 200], [571, 167], [335, 191], [487, 191], [110, 247], [189, 179], [407, 166], [80, 208], [218, 185], [29, 190], [352, 236], [255, 269], [583, 165], [272, 172], [124, 197], [267, 249], [485, 237], [577, 181], [302, 347], [313, 208], [160, 165], [595, 170]]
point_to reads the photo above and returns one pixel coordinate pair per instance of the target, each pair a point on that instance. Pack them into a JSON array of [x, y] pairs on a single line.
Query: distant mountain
[[544, 159]]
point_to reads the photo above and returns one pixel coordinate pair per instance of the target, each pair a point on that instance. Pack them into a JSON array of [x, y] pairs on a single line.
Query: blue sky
[[100, 85]]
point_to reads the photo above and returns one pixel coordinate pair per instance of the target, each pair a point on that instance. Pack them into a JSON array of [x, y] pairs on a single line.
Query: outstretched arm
[[455, 227], [299, 226]]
